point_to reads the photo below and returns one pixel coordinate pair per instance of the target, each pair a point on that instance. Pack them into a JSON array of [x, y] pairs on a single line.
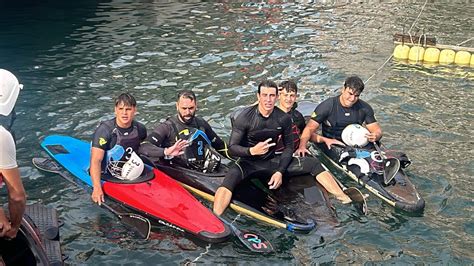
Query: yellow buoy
[[431, 55], [447, 56], [401, 51], [462, 58], [416, 53], [472, 61]]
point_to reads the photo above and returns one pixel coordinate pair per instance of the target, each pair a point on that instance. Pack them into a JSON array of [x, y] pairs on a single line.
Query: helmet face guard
[[126, 170]]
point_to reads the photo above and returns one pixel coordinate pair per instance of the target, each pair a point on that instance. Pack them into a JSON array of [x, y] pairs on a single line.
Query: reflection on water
[[75, 62]]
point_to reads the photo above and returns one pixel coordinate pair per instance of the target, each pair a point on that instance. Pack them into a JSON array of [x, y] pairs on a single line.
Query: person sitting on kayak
[[9, 172], [255, 132], [117, 139], [288, 94], [335, 113], [185, 139]]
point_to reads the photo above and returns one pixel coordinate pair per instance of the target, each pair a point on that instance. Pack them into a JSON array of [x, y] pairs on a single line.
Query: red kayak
[[154, 194]]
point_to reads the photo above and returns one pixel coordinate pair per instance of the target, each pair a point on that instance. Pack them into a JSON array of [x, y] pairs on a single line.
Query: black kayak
[[296, 206], [37, 241], [400, 193]]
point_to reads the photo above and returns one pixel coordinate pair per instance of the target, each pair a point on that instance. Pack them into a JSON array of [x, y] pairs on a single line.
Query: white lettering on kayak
[[170, 225]]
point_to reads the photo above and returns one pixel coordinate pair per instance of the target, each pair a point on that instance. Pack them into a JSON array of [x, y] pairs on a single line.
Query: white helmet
[[127, 170], [9, 90], [354, 135]]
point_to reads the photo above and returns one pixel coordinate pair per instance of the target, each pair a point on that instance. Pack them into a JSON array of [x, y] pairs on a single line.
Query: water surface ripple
[[74, 57]]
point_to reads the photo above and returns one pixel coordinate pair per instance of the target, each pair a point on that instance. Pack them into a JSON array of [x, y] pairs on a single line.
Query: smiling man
[[335, 113], [118, 137]]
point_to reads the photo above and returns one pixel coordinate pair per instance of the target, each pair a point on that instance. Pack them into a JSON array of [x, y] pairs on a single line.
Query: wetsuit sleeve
[[369, 114], [153, 145], [287, 153], [321, 112], [102, 137], [142, 134], [239, 131]]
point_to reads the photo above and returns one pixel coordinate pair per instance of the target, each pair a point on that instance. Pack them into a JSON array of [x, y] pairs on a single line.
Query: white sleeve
[[8, 150]]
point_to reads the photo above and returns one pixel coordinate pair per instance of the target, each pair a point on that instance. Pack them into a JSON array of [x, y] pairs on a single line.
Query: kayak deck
[[400, 193]]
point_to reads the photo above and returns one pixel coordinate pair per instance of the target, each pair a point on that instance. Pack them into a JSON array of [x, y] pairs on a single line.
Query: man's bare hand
[[262, 147], [98, 195], [177, 148], [276, 180]]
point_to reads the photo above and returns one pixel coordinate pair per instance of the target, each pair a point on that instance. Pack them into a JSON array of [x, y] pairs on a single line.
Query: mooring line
[[461, 43], [421, 11], [386, 61]]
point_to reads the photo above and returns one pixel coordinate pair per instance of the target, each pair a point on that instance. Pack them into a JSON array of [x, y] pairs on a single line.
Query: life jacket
[[125, 143], [199, 154], [334, 124]]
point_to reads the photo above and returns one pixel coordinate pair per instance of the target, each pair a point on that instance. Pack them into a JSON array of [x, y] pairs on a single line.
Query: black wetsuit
[[108, 134], [333, 118], [250, 128], [167, 133], [297, 125]]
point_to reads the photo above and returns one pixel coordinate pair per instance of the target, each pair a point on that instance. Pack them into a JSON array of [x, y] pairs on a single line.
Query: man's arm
[[97, 155], [375, 132], [310, 129], [16, 199], [153, 144], [371, 124]]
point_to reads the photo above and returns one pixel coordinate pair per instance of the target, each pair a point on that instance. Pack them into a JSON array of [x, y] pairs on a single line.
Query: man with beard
[[185, 138]]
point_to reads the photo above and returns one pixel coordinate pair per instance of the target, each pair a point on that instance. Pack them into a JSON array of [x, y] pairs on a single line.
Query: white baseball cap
[[9, 90]]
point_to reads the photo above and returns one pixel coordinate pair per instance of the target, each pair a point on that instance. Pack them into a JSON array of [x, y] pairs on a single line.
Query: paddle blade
[[358, 199], [391, 167], [253, 241], [137, 223]]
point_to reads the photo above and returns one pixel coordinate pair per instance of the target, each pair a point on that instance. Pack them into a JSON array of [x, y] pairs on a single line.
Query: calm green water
[[75, 56]]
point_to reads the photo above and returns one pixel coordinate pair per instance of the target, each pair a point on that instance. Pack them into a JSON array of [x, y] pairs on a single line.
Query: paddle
[[252, 241], [137, 222], [390, 166], [358, 199]]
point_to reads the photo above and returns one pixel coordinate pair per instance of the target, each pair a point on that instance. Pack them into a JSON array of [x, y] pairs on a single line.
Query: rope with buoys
[[431, 53]]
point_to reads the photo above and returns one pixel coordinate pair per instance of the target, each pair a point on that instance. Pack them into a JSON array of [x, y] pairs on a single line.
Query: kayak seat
[[147, 175]]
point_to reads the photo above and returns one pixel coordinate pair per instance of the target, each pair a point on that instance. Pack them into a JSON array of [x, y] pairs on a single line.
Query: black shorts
[[266, 168]]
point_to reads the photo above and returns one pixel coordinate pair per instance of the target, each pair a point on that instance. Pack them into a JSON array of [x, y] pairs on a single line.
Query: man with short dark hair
[[120, 133], [335, 113], [9, 172], [255, 132], [169, 139]]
